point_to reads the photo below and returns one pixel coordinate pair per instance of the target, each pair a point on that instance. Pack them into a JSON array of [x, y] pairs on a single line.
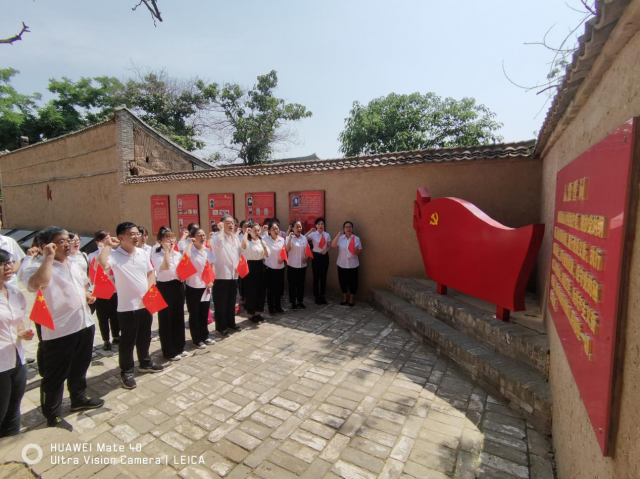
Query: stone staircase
[[509, 359]]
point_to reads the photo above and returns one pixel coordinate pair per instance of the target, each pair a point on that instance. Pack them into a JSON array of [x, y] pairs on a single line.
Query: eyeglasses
[[7, 264], [62, 242], [135, 234]]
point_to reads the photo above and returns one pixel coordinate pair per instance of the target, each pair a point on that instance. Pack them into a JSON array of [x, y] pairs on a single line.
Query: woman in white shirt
[[321, 245], [165, 260], [75, 254], [254, 251], [347, 262], [296, 247], [198, 293], [274, 274], [13, 368]]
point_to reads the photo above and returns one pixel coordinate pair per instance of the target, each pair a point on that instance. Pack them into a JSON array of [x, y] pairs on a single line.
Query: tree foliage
[[414, 122], [16, 111]]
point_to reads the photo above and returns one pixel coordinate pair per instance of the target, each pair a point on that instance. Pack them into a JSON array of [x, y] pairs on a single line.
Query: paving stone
[[335, 410], [317, 469], [286, 428], [505, 440], [299, 451], [268, 470], [507, 453], [176, 440], [362, 459], [465, 466], [230, 450], [243, 439], [308, 439], [288, 462], [419, 471], [327, 419], [504, 465], [285, 404], [318, 429], [541, 467], [261, 453], [332, 451], [370, 447], [380, 437], [402, 449], [346, 470], [266, 419]]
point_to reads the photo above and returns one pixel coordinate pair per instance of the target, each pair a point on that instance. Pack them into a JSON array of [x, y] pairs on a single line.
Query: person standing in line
[[348, 262], [106, 309], [255, 251], [77, 255], [274, 273], [10, 245], [184, 240], [165, 260], [296, 248], [226, 248], [320, 263], [144, 237], [134, 276], [13, 367], [198, 293], [66, 352]]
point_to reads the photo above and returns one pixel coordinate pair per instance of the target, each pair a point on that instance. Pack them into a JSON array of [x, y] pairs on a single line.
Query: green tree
[[16, 111], [415, 122], [253, 120]]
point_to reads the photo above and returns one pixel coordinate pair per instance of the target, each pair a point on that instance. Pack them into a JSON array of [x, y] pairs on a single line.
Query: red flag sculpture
[[323, 242], [92, 271], [153, 300], [352, 245], [104, 288], [40, 313], [185, 268], [283, 254], [208, 276], [243, 267], [308, 253]]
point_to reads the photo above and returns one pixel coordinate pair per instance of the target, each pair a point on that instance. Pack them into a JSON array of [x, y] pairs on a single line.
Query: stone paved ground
[[328, 392]]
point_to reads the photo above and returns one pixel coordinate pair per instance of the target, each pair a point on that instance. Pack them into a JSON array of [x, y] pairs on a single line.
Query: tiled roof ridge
[[521, 149]]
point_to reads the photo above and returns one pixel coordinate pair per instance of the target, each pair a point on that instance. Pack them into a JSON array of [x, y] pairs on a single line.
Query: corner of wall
[[124, 156]]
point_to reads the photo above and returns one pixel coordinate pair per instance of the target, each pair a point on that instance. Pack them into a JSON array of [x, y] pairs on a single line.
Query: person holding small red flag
[[255, 250], [321, 245], [226, 247], [66, 350], [349, 248], [296, 247], [134, 276], [13, 366], [274, 263], [165, 260]]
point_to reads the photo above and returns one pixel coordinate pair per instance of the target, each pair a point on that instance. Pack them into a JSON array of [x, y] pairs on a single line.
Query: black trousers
[[12, 385], [320, 267], [171, 318], [135, 332], [65, 359], [254, 287], [296, 278], [198, 314], [224, 301], [274, 280], [107, 312], [348, 278]]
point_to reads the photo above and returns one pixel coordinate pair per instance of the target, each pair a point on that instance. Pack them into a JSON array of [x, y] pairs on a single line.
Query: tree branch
[[152, 6], [589, 8], [15, 38]]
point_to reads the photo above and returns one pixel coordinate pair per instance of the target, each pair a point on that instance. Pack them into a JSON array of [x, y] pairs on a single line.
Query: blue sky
[[327, 54]]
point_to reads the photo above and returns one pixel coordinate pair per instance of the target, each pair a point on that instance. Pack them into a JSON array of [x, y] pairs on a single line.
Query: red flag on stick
[[40, 313], [323, 242], [308, 253], [92, 271], [283, 254], [243, 267], [352, 245], [185, 268], [175, 248], [208, 276], [104, 288], [153, 300]]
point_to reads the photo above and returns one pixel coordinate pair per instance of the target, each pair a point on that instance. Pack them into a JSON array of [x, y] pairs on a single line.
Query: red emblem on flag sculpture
[[243, 267], [40, 313], [104, 288], [208, 276], [185, 268], [153, 300]]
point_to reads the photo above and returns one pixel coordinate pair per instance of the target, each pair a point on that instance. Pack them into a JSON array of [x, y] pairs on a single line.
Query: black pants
[[12, 385], [65, 359], [135, 332], [348, 278], [224, 301], [107, 312], [198, 314], [254, 288], [320, 268], [296, 277], [171, 319], [274, 279]]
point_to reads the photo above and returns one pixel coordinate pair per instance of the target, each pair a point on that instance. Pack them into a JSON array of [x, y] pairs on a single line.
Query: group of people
[[60, 273]]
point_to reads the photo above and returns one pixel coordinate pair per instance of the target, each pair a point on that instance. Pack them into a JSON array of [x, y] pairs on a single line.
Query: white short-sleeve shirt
[[316, 237], [10, 245], [345, 258], [130, 272], [12, 313], [254, 251], [298, 250], [199, 260], [226, 250], [168, 274], [274, 247]]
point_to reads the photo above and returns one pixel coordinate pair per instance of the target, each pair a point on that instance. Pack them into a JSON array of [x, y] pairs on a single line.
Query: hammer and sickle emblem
[[434, 219]]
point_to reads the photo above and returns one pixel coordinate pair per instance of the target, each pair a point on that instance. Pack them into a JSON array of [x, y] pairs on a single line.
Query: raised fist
[[49, 249]]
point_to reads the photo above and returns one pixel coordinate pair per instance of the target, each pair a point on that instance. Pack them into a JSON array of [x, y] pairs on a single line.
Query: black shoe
[[343, 303], [280, 311], [272, 312], [30, 360], [224, 333], [317, 301], [261, 319], [106, 346], [116, 340], [235, 328], [152, 368], [294, 307], [60, 423], [254, 319], [323, 301], [127, 380], [301, 306], [88, 403]]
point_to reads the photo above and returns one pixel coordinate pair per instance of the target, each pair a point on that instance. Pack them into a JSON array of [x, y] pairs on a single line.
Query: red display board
[[219, 206], [465, 249], [159, 213], [306, 206], [259, 206], [188, 210], [589, 229]]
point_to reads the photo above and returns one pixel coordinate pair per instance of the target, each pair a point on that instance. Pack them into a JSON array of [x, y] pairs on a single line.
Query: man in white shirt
[[225, 246], [66, 352], [134, 276], [10, 245]]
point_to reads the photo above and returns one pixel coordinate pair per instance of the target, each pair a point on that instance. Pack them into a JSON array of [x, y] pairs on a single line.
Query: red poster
[[159, 213], [188, 211], [259, 206], [219, 206], [588, 239], [306, 206]]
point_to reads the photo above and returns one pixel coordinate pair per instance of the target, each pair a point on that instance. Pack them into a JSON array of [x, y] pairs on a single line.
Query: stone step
[[525, 345], [524, 388]]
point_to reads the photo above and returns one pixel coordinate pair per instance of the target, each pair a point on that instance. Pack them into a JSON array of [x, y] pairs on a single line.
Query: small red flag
[[175, 248], [153, 300], [208, 245], [40, 313], [308, 253], [208, 276], [352, 245], [92, 271], [104, 288], [323, 242], [243, 267], [185, 268], [283, 254]]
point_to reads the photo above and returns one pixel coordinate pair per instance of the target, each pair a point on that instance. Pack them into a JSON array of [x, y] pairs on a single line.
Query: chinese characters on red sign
[[306, 206], [159, 213], [588, 239], [187, 211], [259, 206], [219, 206]]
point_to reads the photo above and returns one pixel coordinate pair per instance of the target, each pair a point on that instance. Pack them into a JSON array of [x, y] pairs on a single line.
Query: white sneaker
[[200, 346], [177, 358], [209, 341], [185, 354]]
